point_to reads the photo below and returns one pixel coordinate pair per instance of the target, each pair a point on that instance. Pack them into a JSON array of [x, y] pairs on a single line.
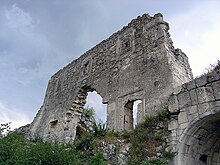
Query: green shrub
[[145, 141], [100, 129], [163, 115], [89, 112], [147, 137], [4, 129], [14, 149], [149, 120], [125, 134], [168, 154], [97, 159]]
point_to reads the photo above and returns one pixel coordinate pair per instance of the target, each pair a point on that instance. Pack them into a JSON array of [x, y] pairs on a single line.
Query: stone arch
[[75, 123], [200, 143]]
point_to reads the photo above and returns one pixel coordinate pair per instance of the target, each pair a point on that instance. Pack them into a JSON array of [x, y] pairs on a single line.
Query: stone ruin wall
[[138, 62], [195, 122]]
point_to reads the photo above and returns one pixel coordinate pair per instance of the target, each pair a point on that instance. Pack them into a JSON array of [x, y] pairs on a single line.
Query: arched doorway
[[131, 113], [94, 100], [201, 142], [76, 120]]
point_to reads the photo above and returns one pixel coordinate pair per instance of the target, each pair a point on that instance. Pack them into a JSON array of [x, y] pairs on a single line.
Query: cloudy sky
[[38, 37]]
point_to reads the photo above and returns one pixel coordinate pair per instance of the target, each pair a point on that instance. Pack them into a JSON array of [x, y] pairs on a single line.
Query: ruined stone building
[[139, 62]]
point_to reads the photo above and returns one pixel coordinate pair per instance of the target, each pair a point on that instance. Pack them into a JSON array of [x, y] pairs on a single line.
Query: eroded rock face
[[138, 62]]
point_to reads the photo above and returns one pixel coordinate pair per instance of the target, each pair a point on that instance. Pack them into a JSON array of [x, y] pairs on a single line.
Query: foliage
[[217, 66], [149, 138], [98, 159], [14, 149], [125, 134], [212, 67], [100, 129], [89, 112], [146, 141], [86, 143], [4, 129]]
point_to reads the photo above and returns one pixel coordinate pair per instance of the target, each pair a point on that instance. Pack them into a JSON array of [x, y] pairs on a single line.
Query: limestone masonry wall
[[195, 124], [138, 62]]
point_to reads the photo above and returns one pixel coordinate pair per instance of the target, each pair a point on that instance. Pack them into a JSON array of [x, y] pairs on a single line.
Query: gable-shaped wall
[[138, 62]]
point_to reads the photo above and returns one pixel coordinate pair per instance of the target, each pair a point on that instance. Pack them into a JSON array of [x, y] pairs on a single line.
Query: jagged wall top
[[144, 19]]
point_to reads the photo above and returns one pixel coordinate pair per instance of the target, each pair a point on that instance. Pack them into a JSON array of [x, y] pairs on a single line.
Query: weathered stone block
[[191, 85], [193, 96], [173, 104], [193, 116], [177, 90], [216, 89], [184, 100], [215, 107], [192, 109], [173, 125], [179, 132], [216, 157], [205, 94], [202, 108], [173, 134], [201, 81], [182, 117]]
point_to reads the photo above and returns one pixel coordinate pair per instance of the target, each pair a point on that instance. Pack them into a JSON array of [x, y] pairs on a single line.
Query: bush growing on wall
[[148, 141]]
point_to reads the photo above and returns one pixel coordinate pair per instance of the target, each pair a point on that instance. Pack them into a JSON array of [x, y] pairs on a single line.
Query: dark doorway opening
[[131, 111]]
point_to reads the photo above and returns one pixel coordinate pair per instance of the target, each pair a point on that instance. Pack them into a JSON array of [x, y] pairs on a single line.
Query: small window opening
[[53, 123], [126, 44], [86, 68]]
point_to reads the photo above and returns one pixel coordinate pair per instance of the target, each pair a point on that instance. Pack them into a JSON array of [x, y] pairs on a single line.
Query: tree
[[4, 129]]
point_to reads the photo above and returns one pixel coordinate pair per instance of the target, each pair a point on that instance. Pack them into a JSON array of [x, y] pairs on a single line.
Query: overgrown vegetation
[[14, 149], [4, 129], [148, 141], [213, 68], [88, 112], [147, 146]]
